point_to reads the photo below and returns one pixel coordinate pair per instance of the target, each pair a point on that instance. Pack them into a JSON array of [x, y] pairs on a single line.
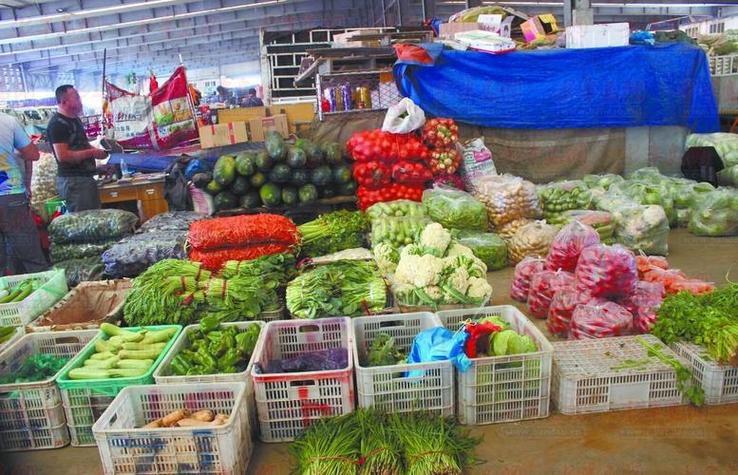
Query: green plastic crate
[[85, 400], [18, 314]]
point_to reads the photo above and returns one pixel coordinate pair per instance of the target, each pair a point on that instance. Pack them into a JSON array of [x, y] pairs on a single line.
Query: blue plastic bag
[[439, 344], [195, 166]]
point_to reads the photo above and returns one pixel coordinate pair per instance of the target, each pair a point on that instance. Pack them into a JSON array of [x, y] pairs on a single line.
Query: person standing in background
[[251, 100], [75, 157], [19, 241]]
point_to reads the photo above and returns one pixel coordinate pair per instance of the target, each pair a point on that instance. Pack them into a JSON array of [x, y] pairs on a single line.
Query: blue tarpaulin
[[627, 86]]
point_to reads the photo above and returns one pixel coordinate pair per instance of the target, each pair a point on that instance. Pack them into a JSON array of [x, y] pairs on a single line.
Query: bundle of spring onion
[[343, 288], [333, 232], [372, 443], [178, 291]]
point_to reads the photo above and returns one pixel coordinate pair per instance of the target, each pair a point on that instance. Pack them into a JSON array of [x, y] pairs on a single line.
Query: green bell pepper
[[209, 323], [180, 365]]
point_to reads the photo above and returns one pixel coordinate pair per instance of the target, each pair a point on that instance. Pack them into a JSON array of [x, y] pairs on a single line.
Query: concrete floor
[[668, 440]]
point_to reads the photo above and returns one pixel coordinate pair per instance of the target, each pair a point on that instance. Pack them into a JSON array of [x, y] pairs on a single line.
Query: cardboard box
[[220, 135], [344, 40], [298, 113], [240, 114], [448, 30], [598, 36], [260, 126], [538, 27]]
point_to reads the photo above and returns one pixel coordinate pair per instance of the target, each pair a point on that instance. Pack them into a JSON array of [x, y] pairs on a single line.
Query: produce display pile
[[384, 352], [185, 418], [726, 146], [213, 242], [43, 182], [441, 136], [388, 166], [438, 270], [215, 349], [184, 292], [344, 288], [20, 291], [333, 232], [370, 442], [710, 320], [38, 367], [455, 209], [557, 198], [280, 174], [124, 353], [319, 360], [493, 336], [586, 289], [78, 240]]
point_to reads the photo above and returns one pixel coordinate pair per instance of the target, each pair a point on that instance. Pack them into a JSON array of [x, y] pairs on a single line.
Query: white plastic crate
[[21, 313], [272, 315], [127, 448], [720, 382], [723, 65], [503, 388], [287, 403], [163, 374], [587, 378], [390, 388], [31, 414]]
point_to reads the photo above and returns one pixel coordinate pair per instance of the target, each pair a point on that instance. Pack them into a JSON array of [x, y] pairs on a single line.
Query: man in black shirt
[[75, 157]]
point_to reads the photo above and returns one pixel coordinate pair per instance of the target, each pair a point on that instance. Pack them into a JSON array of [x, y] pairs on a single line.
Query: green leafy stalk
[[685, 383], [333, 232]]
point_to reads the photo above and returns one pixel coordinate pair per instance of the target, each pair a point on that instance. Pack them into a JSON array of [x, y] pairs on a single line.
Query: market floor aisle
[[667, 440]]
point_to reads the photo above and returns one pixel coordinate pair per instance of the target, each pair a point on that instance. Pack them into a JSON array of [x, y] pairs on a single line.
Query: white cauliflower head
[[386, 256], [456, 249], [479, 289], [435, 239], [459, 280], [419, 271]]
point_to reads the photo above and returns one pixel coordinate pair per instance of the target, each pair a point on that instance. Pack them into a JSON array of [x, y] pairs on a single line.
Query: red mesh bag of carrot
[[244, 230], [214, 259]]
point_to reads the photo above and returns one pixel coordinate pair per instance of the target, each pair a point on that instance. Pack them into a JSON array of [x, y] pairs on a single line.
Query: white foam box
[[597, 36]]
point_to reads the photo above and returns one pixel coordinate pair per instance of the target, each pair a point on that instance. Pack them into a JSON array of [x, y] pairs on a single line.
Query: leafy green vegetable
[[383, 352], [455, 209], [37, 367], [333, 232]]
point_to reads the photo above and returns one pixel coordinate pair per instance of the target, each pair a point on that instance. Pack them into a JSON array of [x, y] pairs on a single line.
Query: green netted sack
[[488, 247], [455, 209], [92, 226]]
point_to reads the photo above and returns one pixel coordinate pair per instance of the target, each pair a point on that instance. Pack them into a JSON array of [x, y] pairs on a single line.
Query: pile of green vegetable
[[20, 291], [455, 209], [178, 291], [343, 288], [124, 353], [398, 231], [35, 368], [279, 174], [384, 352], [214, 349], [710, 320], [370, 442], [507, 341], [556, 198], [396, 209], [333, 232], [488, 247]]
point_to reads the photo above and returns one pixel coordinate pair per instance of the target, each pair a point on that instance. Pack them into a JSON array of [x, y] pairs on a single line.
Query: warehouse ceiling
[[46, 36]]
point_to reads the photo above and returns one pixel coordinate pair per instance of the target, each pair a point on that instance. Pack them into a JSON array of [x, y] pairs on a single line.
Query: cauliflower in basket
[[474, 266], [435, 239], [456, 249], [420, 271], [479, 289], [387, 256], [435, 293], [458, 280]]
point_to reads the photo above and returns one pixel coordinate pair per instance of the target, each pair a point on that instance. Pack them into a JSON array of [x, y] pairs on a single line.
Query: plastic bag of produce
[[134, 254], [563, 303], [43, 181], [171, 221], [648, 174], [397, 231], [644, 302], [606, 271], [92, 226], [403, 117], [568, 245], [563, 196], [524, 271], [642, 228], [543, 285], [455, 209], [602, 181], [601, 221], [476, 162], [64, 252], [728, 176], [397, 208], [612, 200], [725, 144], [488, 247], [507, 198], [600, 319], [715, 214], [686, 193], [508, 230], [81, 270], [533, 239]]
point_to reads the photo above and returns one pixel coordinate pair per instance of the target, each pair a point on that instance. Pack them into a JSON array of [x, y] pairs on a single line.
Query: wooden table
[[149, 193]]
